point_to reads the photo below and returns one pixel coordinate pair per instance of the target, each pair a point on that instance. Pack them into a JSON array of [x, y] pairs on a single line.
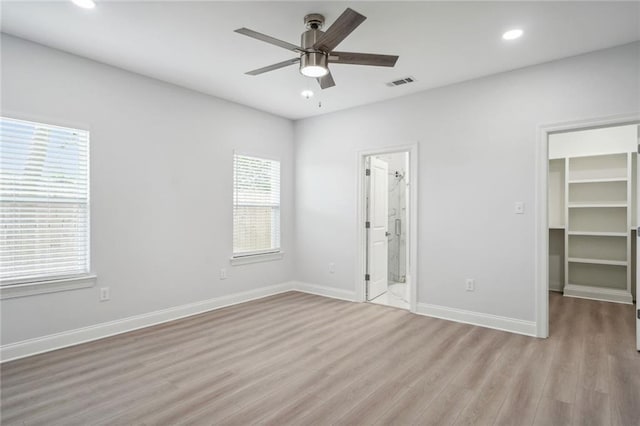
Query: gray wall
[[161, 187], [477, 143]]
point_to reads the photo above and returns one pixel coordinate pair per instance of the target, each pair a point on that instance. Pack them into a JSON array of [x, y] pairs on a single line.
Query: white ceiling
[[192, 44]]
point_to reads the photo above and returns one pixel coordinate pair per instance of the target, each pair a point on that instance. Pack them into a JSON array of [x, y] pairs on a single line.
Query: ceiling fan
[[316, 48]]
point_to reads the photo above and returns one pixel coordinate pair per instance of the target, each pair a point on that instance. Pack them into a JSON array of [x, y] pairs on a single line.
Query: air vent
[[402, 81]]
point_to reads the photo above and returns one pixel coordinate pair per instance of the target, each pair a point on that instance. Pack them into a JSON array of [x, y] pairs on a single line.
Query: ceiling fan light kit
[[314, 64], [316, 48]]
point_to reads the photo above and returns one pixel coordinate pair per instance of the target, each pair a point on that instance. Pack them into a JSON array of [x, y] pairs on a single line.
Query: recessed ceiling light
[[307, 94], [512, 34], [85, 4]]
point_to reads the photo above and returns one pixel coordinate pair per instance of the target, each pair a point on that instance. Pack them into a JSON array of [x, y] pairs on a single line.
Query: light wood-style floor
[[301, 359]]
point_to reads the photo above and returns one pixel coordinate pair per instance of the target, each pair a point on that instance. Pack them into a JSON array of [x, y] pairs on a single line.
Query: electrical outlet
[[470, 284], [104, 294], [223, 274], [332, 268], [518, 207]]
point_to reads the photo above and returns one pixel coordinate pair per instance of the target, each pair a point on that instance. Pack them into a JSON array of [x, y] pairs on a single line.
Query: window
[[256, 206], [44, 202]]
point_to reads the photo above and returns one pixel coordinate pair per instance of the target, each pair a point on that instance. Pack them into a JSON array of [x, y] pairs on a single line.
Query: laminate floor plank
[[489, 396], [625, 391], [619, 324], [552, 412], [426, 363], [525, 391], [562, 381], [293, 411], [288, 390], [592, 408], [594, 366], [395, 373], [566, 329], [475, 372], [446, 407], [301, 359], [434, 376]]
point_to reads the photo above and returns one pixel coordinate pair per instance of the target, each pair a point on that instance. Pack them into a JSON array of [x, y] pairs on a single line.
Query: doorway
[[388, 235], [591, 215]]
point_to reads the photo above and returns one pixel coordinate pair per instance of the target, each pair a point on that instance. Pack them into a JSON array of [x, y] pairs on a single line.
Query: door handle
[[387, 233]]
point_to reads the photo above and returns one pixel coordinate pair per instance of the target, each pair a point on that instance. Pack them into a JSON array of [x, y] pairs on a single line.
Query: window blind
[[44, 201], [256, 205]]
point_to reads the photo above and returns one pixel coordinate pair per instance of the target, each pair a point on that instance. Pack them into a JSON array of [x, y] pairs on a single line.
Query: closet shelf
[[596, 205], [598, 234], [593, 199], [599, 180], [598, 261]]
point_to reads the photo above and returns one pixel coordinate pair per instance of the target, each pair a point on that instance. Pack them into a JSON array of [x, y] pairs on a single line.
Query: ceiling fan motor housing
[[312, 57], [309, 38]]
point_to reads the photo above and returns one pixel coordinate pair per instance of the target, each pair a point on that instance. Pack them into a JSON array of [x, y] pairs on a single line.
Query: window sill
[[50, 286], [256, 258]]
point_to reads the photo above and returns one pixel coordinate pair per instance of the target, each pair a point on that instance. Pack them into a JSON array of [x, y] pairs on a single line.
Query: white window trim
[[256, 258], [10, 291]]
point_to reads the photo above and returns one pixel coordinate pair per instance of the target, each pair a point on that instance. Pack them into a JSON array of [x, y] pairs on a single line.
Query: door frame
[[541, 201], [361, 217]]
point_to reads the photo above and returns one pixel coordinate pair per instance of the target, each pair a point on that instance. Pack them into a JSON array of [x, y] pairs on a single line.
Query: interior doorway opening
[[387, 197], [592, 215]]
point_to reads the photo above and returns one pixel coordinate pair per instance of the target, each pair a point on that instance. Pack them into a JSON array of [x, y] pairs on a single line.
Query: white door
[[378, 228]]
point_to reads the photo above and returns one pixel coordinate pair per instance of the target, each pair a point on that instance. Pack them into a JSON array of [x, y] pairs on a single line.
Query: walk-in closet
[[592, 213]]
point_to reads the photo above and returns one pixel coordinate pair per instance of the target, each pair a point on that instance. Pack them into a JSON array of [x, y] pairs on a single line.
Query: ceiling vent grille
[[402, 81]]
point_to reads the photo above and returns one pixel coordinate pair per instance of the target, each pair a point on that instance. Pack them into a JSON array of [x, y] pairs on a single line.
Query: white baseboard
[[528, 328], [86, 334], [320, 290], [598, 293]]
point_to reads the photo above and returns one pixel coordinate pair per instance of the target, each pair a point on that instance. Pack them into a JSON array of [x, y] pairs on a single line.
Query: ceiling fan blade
[[339, 30], [268, 39], [274, 66], [363, 59], [326, 81]]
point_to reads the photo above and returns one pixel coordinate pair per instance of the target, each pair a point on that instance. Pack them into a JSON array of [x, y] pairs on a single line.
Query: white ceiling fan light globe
[[314, 71]]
